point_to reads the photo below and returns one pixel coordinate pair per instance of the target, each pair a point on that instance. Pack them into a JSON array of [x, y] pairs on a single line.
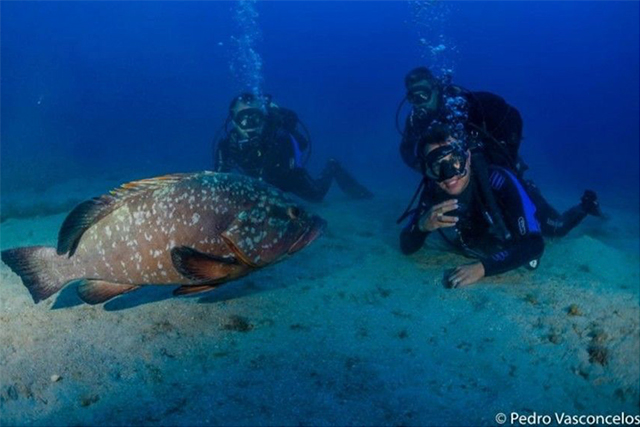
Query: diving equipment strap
[[492, 212], [408, 211]]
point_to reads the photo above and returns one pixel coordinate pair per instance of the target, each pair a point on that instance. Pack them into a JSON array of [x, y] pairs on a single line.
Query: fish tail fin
[[41, 269]]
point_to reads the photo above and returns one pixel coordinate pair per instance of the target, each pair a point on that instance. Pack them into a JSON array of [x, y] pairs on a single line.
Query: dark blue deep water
[[97, 87], [94, 94]]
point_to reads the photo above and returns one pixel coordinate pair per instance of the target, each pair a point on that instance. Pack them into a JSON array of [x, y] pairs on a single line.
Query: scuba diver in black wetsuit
[[452, 204], [498, 127], [264, 142]]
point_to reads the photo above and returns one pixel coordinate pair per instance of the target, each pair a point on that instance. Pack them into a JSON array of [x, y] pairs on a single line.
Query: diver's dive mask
[[249, 119], [422, 102], [420, 96], [446, 162]]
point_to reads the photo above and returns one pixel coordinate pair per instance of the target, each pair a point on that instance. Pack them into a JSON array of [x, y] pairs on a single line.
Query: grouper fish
[[195, 230]]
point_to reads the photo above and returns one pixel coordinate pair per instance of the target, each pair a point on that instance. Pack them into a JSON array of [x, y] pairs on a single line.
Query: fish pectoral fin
[[193, 289], [199, 267], [94, 291], [241, 256]]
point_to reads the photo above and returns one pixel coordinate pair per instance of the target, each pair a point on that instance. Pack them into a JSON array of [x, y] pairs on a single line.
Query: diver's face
[[248, 119], [423, 96], [456, 185]]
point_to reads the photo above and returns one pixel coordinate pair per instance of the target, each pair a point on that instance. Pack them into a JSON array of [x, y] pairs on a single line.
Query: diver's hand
[[466, 275], [435, 218]]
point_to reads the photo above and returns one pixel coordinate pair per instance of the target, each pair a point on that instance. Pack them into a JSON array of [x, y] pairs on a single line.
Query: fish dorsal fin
[[88, 213], [148, 184], [203, 268]]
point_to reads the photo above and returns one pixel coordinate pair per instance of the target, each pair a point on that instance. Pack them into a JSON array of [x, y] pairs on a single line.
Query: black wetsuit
[[490, 116], [276, 157], [472, 234], [487, 113]]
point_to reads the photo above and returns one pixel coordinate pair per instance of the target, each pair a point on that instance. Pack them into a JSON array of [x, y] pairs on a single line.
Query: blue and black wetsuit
[[496, 119], [276, 157], [472, 235]]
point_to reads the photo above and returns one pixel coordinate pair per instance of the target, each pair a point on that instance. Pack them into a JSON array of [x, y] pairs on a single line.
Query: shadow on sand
[[68, 296]]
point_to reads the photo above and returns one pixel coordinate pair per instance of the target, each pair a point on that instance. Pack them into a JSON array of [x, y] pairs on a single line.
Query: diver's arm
[[408, 147], [516, 255], [519, 215], [279, 157], [297, 144], [411, 237], [220, 158], [291, 125], [300, 140], [425, 219]]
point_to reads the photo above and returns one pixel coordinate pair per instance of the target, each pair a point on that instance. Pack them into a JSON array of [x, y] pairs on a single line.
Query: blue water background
[[133, 89], [113, 91]]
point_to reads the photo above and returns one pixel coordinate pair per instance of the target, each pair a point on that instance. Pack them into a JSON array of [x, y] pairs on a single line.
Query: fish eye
[[293, 212]]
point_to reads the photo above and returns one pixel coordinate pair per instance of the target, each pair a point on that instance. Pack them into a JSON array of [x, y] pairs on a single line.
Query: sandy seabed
[[347, 332]]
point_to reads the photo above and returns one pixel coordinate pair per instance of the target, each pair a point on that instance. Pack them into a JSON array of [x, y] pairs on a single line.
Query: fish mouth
[[315, 231]]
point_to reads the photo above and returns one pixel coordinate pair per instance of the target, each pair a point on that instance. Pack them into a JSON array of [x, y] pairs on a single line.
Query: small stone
[[89, 400], [238, 324], [12, 392], [573, 310], [598, 354], [599, 337], [582, 371], [555, 338], [55, 378]]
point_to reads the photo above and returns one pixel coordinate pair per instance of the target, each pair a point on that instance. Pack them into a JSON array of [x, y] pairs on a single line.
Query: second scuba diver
[[265, 142], [495, 127]]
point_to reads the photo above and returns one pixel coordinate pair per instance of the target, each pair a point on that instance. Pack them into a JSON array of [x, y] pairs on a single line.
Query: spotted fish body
[[196, 230]]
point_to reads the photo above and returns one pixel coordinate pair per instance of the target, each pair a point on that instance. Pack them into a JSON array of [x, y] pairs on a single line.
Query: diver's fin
[[88, 213], [198, 266], [193, 289], [590, 204], [351, 186], [42, 271], [94, 291]]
